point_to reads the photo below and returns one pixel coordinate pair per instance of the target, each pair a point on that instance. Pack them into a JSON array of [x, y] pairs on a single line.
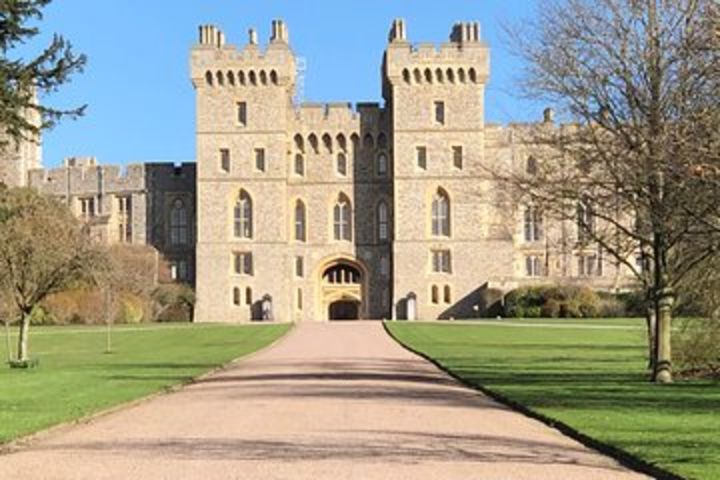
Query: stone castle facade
[[310, 212]]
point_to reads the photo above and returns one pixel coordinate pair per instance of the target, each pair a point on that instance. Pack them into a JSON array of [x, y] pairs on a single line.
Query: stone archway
[[342, 287]]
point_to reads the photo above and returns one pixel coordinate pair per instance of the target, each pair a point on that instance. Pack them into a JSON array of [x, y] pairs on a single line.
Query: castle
[[310, 212]]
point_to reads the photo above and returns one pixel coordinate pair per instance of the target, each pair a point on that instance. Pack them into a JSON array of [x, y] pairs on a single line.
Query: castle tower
[[18, 159], [437, 99], [243, 100]]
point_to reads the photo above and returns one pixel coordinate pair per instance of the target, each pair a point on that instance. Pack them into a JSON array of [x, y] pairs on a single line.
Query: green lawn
[[593, 380], [76, 377]]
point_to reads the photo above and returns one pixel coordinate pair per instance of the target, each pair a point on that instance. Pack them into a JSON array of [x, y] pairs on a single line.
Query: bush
[[553, 302], [697, 347], [175, 303]]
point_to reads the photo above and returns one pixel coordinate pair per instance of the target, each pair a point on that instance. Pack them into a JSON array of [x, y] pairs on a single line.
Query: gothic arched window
[[178, 223], [243, 216], [300, 222], [342, 219], [382, 221], [533, 224], [382, 165], [440, 214]]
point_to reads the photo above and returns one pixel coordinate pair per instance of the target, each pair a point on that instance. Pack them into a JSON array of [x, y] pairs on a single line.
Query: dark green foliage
[[21, 115], [554, 302]]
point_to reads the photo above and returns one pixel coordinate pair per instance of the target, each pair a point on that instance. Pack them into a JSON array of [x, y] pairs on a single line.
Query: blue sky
[[140, 100]]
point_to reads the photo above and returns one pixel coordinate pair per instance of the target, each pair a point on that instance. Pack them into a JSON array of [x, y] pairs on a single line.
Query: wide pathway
[[329, 401]]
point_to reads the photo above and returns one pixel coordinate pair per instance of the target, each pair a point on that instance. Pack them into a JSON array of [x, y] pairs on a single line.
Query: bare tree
[[43, 250], [636, 166]]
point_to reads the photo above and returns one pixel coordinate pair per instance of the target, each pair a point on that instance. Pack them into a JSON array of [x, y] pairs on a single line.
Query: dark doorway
[[344, 310]]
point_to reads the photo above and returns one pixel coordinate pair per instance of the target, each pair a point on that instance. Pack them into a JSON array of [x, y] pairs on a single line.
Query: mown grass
[[593, 380], [76, 377]]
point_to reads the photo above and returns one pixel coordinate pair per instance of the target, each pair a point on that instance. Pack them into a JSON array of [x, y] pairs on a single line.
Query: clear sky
[[140, 99]]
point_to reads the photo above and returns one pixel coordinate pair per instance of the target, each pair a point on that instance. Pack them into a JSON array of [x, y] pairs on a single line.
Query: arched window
[[355, 141], [209, 78], [382, 165], [327, 143], [313, 141], [533, 224], [472, 75], [418, 75], [248, 296], [341, 167], [220, 79], [299, 143], [531, 167], [251, 78], [178, 223], [382, 221], [461, 75], [241, 77], [450, 75], [231, 78], [342, 219], [368, 142], [243, 216], [447, 294], [274, 77], [299, 166], [300, 222], [440, 214], [435, 294], [428, 75], [236, 296], [341, 142], [263, 77], [439, 75], [406, 75]]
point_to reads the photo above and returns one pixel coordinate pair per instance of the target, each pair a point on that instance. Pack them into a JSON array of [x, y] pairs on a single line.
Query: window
[[299, 299], [342, 221], [441, 261], [341, 166], [243, 263], [242, 113], [382, 165], [440, 112], [590, 265], [299, 167], [236, 296], [533, 266], [225, 160], [299, 267], [585, 221], [435, 295], [87, 207], [531, 167], [178, 223], [248, 296], [422, 158], [382, 221], [447, 294], [457, 157], [533, 225], [124, 219], [300, 219], [384, 266], [243, 217], [260, 159], [440, 214]]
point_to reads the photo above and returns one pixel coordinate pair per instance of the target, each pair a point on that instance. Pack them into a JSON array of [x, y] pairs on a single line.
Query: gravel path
[[330, 401]]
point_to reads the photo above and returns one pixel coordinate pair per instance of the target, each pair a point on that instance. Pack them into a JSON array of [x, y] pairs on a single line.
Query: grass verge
[[76, 378], [592, 381]]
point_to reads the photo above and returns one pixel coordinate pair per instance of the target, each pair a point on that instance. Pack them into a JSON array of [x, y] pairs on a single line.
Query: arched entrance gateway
[[342, 290]]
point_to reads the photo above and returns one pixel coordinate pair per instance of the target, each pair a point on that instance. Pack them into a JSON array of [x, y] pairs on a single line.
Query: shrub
[[175, 303], [697, 347], [553, 302]]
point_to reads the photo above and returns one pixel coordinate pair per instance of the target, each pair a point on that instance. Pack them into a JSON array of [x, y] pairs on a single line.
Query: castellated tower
[[448, 245], [243, 104]]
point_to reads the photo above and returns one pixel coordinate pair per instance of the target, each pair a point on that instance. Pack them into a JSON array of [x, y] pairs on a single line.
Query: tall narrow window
[[300, 222], [299, 165], [447, 294], [531, 167], [341, 166], [178, 223], [435, 295], [384, 266], [440, 214], [260, 159], [421, 153], [342, 219], [236, 296], [457, 157], [225, 160], [299, 267], [533, 266], [243, 263], [299, 299], [382, 165], [440, 113], [533, 225], [382, 221], [585, 221], [242, 113], [248, 296], [243, 218], [87, 207], [125, 219], [590, 265]]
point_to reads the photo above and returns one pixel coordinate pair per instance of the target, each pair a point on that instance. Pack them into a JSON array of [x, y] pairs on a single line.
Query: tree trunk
[[23, 337], [663, 362], [651, 322]]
